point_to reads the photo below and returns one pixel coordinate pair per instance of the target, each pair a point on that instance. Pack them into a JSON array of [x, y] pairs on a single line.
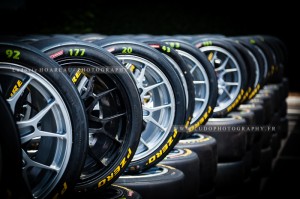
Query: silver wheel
[[45, 128], [228, 74], [184, 83], [201, 84], [158, 103]]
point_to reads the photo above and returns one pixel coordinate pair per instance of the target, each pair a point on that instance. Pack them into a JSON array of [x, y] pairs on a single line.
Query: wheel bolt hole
[[140, 90], [146, 113], [23, 163], [218, 61]]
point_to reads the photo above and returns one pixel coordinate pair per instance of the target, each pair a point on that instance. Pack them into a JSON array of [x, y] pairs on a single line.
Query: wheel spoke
[[96, 130], [230, 70], [231, 83], [157, 108], [226, 91], [227, 71], [98, 96], [148, 88], [127, 65], [33, 123], [199, 82], [13, 100], [95, 158], [26, 104], [38, 133], [94, 119], [223, 65], [107, 119], [142, 74], [103, 132], [35, 120], [90, 87], [153, 121], [30, 163], [194, 68], [199, 100], [144, 143]]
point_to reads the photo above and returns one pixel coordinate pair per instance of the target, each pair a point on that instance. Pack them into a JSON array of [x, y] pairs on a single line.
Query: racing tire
[[231, 57], [186, 161], [158, 182], [206, 149], [132, 53], [10, 153], [284, 128], [111, 192], [249, 116], [266, 161], [44, 92], [115, 126], [183, 71], [230, 178], [231, 143], [204, 79]]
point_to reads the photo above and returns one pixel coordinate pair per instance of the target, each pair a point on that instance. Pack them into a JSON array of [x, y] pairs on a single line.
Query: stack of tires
[[246, 156], [166, 116]]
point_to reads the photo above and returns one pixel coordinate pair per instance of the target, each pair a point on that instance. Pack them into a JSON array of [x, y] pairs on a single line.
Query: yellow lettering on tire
[[64, 188], [16, 88], [164, 148], [117, 170], [76, 76], [101, 183], [201, 121]]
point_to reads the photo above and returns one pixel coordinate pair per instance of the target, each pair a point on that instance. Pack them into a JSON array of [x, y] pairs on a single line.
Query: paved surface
[[284, 179]]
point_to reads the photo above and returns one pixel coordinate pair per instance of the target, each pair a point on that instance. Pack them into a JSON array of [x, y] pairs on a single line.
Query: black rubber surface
[[230, 178], [266, 161], [231, 144], [281, 183], [206, 149], [111, 192], [156, 185], [186, 161]]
